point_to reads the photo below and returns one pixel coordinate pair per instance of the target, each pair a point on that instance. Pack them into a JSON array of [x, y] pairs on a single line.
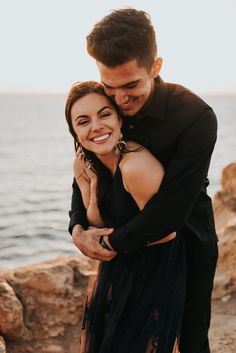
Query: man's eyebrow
[[98, 112], [123, 86]]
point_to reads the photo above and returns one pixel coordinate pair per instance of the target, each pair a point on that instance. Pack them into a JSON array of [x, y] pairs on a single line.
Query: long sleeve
[[78, 212], [184, 178]]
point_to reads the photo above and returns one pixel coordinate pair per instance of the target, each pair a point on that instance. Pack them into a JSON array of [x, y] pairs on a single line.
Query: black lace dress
[[137, 300]]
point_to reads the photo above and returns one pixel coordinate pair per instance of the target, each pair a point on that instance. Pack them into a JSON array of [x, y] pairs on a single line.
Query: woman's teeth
[[100, 138]]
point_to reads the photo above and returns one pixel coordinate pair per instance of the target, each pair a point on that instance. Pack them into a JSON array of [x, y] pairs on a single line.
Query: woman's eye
[[105, 115], [82, 122]]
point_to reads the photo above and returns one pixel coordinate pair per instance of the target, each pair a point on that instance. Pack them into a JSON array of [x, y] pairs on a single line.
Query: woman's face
[[96, 123]]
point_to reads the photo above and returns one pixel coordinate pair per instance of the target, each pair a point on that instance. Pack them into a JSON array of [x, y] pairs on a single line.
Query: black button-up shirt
[[179, 128]]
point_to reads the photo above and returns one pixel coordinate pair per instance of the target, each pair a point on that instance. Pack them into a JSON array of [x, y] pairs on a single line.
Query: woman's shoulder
[[141, 171], [137, 157]]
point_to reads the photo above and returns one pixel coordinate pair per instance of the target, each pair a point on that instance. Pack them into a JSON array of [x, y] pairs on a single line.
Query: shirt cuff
[[75, 218], [125, 241]]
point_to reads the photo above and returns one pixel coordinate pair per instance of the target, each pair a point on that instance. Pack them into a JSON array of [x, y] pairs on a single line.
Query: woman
[[137, 299]]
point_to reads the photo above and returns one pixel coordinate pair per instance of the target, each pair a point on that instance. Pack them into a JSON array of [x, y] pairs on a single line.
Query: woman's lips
[[101, 138]]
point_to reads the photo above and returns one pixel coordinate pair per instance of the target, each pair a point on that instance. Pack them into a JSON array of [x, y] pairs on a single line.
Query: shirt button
[[131, 127]]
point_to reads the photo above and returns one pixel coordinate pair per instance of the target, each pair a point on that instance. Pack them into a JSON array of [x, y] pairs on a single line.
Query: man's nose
[[121, 97]]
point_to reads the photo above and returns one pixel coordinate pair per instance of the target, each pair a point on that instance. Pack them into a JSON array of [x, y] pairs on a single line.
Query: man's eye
[[132, 85], [108, 89]]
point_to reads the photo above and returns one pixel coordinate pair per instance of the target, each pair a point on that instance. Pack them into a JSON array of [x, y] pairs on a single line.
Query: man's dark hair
[[121, 36]]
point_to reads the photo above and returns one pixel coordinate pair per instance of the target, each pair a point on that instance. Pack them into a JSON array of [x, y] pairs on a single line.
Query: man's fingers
[[102, 255], [88, 243], [104, 231], [99, 252]]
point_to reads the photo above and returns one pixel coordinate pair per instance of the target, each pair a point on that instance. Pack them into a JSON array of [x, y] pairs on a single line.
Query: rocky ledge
[[224, 204], [41, 306]]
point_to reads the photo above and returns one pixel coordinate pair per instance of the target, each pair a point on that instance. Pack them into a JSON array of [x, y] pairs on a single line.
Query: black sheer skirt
[[137, 302]]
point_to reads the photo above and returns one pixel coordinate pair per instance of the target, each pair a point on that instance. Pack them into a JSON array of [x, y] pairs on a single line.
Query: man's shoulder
[[185, 104], [179, 95]]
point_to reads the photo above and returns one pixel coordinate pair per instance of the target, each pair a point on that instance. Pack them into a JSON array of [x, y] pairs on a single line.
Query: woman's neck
[[110, 160]]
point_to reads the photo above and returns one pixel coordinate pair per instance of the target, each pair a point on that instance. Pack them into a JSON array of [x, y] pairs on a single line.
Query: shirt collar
[[157, 107]]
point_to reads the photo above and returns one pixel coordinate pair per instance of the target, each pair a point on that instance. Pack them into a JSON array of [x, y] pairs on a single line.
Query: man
[[180, 130]]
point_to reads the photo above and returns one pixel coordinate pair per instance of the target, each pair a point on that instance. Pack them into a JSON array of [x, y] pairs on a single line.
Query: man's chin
[[129, 112], [132, 110]]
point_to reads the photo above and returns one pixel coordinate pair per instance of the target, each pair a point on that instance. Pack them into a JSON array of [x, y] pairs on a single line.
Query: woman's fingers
[[80, 154]]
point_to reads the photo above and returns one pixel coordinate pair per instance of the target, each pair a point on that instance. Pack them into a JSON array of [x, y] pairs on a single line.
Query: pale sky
[[43, 46]]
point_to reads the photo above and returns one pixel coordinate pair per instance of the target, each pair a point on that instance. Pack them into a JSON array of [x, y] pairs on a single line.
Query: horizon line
[[48, 93]]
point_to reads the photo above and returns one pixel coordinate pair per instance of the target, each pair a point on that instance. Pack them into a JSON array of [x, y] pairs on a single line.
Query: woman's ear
[[156, 67]]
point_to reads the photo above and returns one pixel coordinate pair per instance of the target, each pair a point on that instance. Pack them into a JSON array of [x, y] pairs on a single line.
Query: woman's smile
[[101, 138]]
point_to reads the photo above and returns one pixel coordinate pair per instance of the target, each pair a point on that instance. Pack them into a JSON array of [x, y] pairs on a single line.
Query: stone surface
[[2, 345], [223, 326], [228, 181], [225, 279], [41, 305], [224, 205], [11, 313], [224, 201]]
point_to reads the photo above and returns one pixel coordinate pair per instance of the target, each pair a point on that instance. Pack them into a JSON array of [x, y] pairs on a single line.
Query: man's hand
[[87, 242]]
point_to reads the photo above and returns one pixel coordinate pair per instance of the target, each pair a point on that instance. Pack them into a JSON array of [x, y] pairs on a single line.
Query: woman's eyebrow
[[106, 106], [98, 112]]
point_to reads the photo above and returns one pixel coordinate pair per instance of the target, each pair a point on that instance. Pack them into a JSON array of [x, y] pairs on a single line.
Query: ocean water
[[36, 153]]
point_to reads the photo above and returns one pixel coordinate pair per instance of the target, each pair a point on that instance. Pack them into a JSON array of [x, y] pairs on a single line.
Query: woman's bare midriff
[[163, 240]]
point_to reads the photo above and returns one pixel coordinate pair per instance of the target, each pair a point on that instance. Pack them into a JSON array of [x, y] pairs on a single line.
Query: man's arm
[[84, 237], [184, 177], [78, 212]]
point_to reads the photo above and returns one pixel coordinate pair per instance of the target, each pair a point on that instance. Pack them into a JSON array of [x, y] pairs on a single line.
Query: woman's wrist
[[103, 241]]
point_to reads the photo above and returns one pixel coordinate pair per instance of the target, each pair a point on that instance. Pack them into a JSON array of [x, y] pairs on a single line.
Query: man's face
[[128, 84]]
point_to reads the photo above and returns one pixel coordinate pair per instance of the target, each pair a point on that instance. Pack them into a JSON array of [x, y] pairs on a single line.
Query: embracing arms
[[184, 178], [168, 209]]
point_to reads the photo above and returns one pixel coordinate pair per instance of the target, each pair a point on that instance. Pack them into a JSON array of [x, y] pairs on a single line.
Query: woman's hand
[[83, 168], [86, 179]]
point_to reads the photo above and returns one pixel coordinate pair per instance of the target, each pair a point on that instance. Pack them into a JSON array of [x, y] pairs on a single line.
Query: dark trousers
[[201, 265]]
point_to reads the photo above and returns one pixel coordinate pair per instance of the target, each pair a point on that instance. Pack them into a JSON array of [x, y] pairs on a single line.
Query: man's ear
[[156, 67]]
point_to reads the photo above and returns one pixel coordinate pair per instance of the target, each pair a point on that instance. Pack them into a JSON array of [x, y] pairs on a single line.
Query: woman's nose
[[96, 125]]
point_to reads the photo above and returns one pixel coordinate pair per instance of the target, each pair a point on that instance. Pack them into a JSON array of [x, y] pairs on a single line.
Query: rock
[[11, 313], [2, 345], [41, 305], [226, 298], [224, 205], [222, 285], [224, 201], [228, 181], [225, 279]]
